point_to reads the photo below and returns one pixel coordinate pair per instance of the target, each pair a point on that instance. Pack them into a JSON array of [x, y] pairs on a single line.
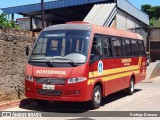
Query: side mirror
[[27, 50]]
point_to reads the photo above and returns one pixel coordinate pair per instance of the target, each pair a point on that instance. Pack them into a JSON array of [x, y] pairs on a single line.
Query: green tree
[[4, 22], [145, 7], [156, 12], [153, 12]]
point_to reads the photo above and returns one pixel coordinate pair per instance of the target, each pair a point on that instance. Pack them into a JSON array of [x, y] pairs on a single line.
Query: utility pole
[[42, 10]]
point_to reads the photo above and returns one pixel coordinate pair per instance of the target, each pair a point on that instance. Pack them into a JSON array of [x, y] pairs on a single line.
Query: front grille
[[50, 81], [49, 92]]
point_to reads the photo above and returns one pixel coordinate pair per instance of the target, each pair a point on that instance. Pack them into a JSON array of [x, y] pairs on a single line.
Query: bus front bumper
[[71, 98], [69, 92]]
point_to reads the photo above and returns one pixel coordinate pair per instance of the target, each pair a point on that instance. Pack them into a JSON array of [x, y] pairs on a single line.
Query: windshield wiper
[[39, 59], [64, 58], [51, 60]]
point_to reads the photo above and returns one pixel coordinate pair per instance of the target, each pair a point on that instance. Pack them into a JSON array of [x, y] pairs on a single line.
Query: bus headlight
[[76, 80], [29, 78]]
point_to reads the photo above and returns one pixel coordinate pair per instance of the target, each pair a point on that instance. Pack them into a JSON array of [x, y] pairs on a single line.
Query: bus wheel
[[42, 102], [130, 90], [96, 98]]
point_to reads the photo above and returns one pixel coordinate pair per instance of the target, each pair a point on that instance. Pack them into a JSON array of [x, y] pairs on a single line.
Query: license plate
[[48, 87]]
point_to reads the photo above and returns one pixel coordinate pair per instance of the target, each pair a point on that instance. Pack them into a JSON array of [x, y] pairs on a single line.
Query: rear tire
[[130, 90], [42, 102], [96, 98]]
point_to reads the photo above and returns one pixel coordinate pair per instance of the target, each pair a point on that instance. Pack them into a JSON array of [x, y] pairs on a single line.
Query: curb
[[11, 104]]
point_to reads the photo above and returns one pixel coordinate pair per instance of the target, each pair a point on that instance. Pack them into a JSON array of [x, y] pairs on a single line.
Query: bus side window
[[135, 48], [123, 47], [128, 50], [97, 46], [142, 49], [107, 49], [117, 47]]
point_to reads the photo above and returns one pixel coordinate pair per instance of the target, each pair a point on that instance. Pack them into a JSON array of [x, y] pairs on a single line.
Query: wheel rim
[[97, 97], [132, 86]]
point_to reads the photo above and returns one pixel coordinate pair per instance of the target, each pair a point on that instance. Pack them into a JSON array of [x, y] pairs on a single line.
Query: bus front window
[[62, 46]]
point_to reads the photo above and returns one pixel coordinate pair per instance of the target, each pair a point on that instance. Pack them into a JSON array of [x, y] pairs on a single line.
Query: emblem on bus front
[[100, 67], [48, 81]]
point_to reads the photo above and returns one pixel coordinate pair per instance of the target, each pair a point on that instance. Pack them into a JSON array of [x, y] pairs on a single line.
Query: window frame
[[122, 53], [122, 39], [102, 41], [130, 47], [110, 44], [138, 48], [142, 42]]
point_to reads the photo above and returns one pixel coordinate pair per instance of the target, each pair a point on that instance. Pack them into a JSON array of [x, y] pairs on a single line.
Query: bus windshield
[[62, 46]]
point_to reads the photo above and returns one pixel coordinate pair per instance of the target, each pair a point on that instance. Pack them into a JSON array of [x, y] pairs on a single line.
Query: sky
[[11, 3], [138, 3]]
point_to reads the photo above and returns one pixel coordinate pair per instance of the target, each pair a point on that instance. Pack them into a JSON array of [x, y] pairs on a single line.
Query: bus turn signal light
[[29, 78]]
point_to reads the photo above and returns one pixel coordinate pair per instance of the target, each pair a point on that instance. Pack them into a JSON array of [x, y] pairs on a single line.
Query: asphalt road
[[145, 98]]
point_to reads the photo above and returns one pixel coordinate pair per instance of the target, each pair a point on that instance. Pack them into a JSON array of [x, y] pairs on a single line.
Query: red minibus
[[81, 62]]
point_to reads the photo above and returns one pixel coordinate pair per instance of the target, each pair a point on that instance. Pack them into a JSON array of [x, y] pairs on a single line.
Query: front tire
[[130, 90], [96, 98]]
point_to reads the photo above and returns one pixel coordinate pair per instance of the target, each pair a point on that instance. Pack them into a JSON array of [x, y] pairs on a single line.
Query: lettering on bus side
[[126, 62], [50, 72]]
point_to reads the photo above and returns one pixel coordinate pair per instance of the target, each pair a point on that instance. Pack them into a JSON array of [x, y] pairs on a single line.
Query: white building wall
[[126, 6], [125, 21]]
